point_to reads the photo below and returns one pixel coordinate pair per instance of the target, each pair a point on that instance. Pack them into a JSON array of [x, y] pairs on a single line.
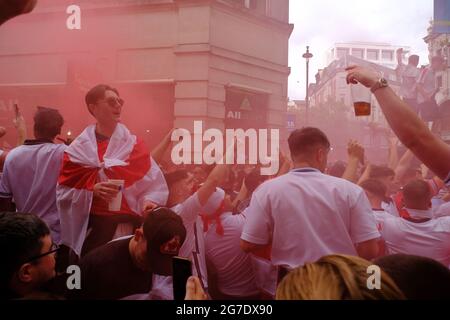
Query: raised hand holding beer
[[361, 80]]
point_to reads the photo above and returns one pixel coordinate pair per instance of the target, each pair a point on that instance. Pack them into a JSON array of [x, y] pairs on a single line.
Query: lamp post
[[307, 55]]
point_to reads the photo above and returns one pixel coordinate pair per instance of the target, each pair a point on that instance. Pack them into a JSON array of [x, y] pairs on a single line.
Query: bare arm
[[242, 195], [215, 178], [366, 174], [393, 153], [403, 165], [21, 128], [250, 247], [408, 127], [160, 150], [355, 156], [368, 250]]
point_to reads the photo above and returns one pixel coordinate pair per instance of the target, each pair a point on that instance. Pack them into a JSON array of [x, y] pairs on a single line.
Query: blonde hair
[[335, 277]]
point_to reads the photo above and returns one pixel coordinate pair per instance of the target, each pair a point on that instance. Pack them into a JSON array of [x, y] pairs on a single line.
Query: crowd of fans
[[310, 232], [313, 231]]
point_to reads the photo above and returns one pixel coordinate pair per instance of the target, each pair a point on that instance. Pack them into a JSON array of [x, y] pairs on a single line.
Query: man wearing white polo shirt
[[307, 214], [418, 233], [31, 172]]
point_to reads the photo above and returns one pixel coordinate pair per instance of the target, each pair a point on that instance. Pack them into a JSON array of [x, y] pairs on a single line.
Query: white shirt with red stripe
[[234, 267], [428, 239], [125, 158]]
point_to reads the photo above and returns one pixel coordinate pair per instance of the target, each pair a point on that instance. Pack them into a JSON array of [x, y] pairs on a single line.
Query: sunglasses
[[54, 248], [112, 102]]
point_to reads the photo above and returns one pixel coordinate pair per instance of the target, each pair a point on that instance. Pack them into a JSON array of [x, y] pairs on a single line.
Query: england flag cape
[[125, 158]]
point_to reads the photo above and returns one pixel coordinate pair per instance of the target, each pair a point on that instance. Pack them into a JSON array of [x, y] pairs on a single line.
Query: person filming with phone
[[124, 267]]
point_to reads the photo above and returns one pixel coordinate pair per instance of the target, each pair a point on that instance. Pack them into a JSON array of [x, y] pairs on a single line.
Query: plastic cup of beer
[[116, 202], [362, 98]]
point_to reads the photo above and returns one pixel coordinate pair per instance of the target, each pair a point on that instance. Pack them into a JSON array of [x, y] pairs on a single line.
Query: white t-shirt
[[409, 75], [235, 275], [428, 239], [29, 177], [193, 248], [308, 214], [442, 210], [390, 208], [380, 215]]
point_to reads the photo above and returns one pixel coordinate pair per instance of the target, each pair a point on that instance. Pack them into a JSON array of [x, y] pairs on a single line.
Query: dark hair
[[419, 278], [416, 194], [20, 239], [161, 225], [47, 123], [375, 187], [378, 172], [302, 141], [413, 59], [337, 169], [175, 176], [97, 93]]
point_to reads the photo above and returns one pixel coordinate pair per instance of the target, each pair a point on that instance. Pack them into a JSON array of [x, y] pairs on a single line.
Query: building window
[[387, 55], [341, 52], [372, 54], [359, 53]]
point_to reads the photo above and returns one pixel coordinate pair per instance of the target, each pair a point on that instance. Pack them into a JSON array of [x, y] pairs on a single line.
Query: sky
[[321, 23]]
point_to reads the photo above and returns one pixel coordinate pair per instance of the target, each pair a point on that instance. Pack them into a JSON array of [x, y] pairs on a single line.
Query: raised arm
[[215, 179], [408, 127], [160, 150], [355, 156], [403, 165], [393, 153], [366, 174]]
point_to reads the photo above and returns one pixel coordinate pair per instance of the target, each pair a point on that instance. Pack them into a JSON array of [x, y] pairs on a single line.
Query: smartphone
[[182, 270]]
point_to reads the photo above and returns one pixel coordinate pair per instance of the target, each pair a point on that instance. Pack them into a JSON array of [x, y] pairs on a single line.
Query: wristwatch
[[381, 83]]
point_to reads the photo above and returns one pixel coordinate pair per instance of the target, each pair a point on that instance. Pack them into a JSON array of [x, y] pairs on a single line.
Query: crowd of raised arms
[[119, 212]]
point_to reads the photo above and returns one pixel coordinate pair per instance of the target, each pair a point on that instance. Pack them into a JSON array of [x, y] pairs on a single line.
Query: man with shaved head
[[418, 233]]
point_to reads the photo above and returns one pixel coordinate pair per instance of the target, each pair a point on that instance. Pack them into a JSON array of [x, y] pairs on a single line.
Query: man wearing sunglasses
[[104, 160], [28, 255]]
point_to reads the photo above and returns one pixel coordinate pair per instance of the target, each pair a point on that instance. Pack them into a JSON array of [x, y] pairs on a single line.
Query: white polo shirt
[[308, 214], [29, 177], [428, 239], [235, 275], [442, 210]]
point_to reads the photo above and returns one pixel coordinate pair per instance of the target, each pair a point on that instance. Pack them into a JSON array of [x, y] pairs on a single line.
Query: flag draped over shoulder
[[125, 158]]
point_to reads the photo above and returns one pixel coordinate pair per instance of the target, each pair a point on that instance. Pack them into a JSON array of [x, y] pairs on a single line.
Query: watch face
[[383, 82]]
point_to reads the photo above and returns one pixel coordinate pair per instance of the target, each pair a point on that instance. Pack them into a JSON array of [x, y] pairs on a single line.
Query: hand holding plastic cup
[[116, 202], [362, 98]]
